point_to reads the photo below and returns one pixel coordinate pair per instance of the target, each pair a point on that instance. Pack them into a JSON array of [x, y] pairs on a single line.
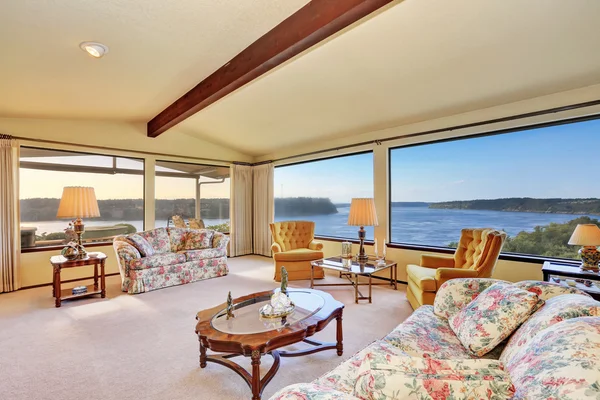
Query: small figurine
[[284, 280], [70, 235], [230, 306]]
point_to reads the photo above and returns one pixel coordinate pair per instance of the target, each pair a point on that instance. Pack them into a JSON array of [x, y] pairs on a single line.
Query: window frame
[[518, 257], [63, 168], [186, 176], [326, 237]]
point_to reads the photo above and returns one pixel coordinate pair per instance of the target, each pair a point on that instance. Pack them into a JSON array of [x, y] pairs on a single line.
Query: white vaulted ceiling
[[415, 60], [158, 49]]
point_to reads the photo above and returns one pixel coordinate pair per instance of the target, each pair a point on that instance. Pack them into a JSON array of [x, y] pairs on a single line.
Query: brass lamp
[[78, 202], [362, 213], [588, 236]]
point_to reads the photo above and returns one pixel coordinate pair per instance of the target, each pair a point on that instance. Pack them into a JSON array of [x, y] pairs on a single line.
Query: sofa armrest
[[453, 295], [125, 253], [315, 245], [433, 261], [445, 274], [311, 391], [276, 248], [220, 240]]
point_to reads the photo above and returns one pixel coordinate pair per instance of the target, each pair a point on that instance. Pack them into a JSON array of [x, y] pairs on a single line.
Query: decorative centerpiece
[[70, 252], [280, 304], [230, 306]]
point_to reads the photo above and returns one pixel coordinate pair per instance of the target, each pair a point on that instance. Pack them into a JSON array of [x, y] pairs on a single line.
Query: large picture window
[[535, 184], [117, 181], [321, 191], [192, 191]]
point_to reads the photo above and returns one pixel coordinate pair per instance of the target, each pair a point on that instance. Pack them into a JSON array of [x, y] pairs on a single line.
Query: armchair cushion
[[442, 275], [493, 316], [423, 277], [298, 255], [433, 261]]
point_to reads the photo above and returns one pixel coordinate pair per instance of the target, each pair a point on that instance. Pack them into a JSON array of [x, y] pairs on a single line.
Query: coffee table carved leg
[[339, 336], [95, 276], [356, 288], [255, 375], [202, 356], [370, 286]]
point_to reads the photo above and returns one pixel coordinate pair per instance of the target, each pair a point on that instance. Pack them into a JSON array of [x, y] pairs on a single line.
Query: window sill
[[503, 256], [340, 239], [60, 247]]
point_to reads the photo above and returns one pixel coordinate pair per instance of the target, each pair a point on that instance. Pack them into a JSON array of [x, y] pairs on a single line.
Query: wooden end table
[[565, 270], [248, 334], [350, 269], [60, 262]]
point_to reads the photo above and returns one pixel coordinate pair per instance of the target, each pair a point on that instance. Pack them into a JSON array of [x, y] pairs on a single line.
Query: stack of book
[[79, 290]]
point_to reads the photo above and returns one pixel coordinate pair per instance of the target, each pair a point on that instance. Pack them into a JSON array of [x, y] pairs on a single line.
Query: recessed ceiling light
[[94, 49]]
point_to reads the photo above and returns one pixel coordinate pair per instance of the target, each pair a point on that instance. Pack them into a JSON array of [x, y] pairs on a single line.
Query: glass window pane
[[321, 191], [530, 184], [176, 185], [42, 178]]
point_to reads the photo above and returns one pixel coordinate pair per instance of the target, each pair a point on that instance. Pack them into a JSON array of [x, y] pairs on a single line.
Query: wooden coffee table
[[249, 335]]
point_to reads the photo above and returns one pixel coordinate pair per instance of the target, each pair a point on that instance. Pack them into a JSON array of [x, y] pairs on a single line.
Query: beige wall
[[127, 138]]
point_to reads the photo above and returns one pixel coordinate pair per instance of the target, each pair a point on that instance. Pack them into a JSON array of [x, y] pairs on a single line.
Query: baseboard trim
[[67, 281]]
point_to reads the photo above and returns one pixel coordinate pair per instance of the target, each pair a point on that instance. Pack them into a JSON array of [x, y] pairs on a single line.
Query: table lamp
[[362, 213], [588, 236], [78, 202]]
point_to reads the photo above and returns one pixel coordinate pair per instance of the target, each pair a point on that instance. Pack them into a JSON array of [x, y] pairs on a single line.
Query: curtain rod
[[448, 129], [148, 153]]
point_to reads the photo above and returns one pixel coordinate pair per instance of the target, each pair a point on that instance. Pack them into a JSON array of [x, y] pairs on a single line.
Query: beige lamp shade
[[586, 235], [362, 213], [78, 202]]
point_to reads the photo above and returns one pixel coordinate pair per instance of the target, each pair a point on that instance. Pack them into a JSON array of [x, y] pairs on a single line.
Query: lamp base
[[362, 257], [78, 227], [590, 257]]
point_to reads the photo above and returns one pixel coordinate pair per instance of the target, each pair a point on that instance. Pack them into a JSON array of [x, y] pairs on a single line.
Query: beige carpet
[[144, 346]]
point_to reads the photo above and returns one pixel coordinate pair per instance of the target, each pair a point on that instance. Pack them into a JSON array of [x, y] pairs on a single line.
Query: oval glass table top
[[248, 320]]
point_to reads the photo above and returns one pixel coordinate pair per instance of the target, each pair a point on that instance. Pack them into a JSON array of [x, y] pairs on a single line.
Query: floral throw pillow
[[141, 245], [198, 239], [493, 316]]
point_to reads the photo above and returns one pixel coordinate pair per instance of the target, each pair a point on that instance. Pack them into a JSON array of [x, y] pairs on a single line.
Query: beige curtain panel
[[241, 210], [264, 213], [10, 235]]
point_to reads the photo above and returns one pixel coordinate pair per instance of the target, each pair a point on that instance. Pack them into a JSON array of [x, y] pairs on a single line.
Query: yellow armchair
[[294, 248], [475, 257]]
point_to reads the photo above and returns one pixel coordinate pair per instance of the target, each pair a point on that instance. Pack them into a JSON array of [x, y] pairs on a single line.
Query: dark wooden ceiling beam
[[313, 23]]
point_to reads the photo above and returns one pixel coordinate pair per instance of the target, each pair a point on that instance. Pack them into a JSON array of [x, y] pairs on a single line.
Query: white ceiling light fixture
[[94, 49]]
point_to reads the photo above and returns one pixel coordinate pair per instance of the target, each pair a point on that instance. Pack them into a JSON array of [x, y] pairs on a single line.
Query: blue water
[[437, 227]]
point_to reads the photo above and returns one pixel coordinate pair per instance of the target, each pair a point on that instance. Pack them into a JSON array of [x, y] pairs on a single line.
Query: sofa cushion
[[560, 362], [547, 290], [190, 239], [456, 294], [423, 277], [400, 377], [157, 260], [141, 244], [299, 255], [158, 239], [493, 316], [204, 254], [311, 391], [556, 309], [425, 334]]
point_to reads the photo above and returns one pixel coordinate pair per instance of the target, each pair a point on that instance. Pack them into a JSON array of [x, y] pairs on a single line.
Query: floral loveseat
[[164, 257], [554, 354]]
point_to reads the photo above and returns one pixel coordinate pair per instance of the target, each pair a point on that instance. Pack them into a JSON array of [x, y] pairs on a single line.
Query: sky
[[39, 183], [543, 163], [556, 161]]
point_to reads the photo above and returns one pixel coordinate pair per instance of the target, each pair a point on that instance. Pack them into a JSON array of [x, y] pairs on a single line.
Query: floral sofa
[[553, 354], [164, 257]]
